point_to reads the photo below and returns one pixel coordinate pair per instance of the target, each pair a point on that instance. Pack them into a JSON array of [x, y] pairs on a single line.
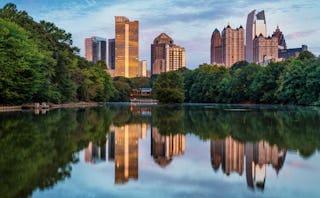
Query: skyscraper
[[165, 55], [95, 49], [126, 47], [256, 25], [232, 45], [111, 53], [216, 48]]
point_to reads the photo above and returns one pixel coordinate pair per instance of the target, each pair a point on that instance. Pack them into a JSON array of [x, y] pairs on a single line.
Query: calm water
[[163, 151]]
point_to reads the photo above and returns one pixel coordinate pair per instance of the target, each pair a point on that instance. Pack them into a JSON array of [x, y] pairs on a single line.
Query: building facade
[[216, 48], [285, 54], [142, 68], [265, 49], [232, 45], [126, 47], [95, 49], [281, 41], [256, 25], [111, 54], [165, 55]]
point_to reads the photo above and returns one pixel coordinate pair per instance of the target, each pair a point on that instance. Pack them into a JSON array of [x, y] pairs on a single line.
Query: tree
[[96, 85], [21, 62], [122, 90], [265, 84], [168, 87]]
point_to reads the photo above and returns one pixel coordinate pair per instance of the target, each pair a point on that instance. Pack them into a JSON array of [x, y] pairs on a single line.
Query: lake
[[161, 151]]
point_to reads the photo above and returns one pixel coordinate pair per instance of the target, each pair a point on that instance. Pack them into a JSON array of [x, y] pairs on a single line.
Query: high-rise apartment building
[[95, 49], [111, 54], [165, 55], [256, 25], [142, 68], [265, 49], [232, 45], [126, 47], [216, 48]]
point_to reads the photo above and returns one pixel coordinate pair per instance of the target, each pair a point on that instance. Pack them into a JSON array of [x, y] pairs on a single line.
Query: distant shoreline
[[31, 106]]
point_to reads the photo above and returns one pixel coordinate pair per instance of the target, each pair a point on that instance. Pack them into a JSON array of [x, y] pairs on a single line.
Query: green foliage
[[96, 85], [21, 62], [168, 88], [40, 63], [295, 81], [122, 90], [40, 150]]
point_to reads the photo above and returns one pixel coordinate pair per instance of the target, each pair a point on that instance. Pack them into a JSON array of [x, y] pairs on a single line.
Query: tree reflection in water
[[39, 150]]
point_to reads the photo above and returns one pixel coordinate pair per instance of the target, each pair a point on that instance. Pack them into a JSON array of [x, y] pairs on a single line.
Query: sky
[[189, 23]]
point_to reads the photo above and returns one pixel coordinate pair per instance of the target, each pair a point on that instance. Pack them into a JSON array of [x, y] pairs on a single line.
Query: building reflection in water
[[94, 153], [164, 147], [230, 153], [122, 147]]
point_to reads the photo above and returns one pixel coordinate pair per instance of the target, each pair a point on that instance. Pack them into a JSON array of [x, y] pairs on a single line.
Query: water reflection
[[42, 150], [165, 147], [230, 155]]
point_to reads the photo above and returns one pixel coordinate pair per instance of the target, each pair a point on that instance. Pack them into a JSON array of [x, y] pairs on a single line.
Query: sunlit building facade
[[126, 47], [232, 45], [165, 55]]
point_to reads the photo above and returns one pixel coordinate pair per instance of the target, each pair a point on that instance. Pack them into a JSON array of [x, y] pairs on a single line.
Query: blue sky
[[189, 23]]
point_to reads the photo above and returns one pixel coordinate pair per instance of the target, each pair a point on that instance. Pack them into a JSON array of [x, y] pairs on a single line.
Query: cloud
[[189, 23], [302, 34]]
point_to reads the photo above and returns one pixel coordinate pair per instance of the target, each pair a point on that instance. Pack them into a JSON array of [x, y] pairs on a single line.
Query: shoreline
[[26, 107]]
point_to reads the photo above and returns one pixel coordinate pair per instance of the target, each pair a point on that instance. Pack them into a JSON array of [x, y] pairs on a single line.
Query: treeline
[[295, 81], [39, 63]]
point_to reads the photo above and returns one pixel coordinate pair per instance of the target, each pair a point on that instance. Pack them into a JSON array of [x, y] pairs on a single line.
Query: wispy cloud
[[302, 34]]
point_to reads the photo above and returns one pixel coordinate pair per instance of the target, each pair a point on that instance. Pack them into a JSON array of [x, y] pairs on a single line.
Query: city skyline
[[191, 24]]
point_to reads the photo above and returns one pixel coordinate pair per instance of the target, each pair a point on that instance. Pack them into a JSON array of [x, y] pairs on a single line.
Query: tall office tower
[[265, 49], [165, 55], [232, 45], [126, 153], [256, 25], [142, 68], [95, 49], [126, 47], [281, 41], [216, 48], [163, 148], [111, 54]]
